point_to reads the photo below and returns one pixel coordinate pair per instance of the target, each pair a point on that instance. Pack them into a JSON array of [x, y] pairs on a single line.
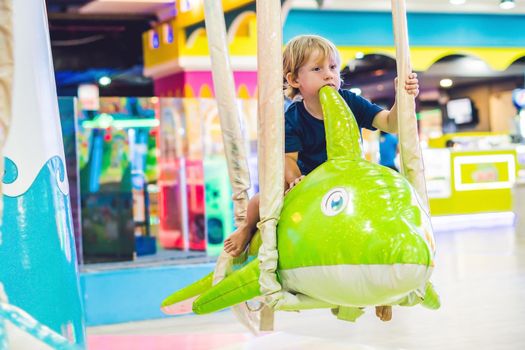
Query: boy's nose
[[329, 75]]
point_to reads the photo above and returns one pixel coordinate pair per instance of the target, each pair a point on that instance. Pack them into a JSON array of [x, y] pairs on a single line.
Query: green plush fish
[[351, 234]]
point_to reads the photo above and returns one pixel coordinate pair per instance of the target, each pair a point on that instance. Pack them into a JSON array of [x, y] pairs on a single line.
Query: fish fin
[[180, 301], [240, 286]]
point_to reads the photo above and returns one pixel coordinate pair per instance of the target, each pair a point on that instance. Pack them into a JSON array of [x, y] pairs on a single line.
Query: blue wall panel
[[134, 294], [347, 28]]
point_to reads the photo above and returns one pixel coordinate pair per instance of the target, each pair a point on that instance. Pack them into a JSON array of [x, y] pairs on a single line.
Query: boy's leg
[[384, 312], [239, 239]]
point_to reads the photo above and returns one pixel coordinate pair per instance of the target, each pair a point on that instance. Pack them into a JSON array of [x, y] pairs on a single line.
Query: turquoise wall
[[347, 28], [134, 294]]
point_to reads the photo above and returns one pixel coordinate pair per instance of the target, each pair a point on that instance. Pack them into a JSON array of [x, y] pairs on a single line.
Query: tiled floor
[[480, 276]]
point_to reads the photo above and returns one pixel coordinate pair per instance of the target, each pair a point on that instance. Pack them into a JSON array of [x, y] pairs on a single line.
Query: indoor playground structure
[[114, 211]]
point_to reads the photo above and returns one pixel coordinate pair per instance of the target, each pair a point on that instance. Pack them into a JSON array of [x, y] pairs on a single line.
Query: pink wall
[[173, 85]]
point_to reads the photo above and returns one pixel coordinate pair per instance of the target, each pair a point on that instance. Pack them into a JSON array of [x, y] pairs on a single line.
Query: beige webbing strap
[[271, 145], [267, 319], [230, 121], [233, 143], [228, 112], [410, 151], [6, 81]]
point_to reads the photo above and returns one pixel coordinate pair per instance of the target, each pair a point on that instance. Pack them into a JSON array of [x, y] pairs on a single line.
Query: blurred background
[[148, 178]]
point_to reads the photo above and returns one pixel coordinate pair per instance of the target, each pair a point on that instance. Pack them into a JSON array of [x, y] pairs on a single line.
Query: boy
[[309, 63]]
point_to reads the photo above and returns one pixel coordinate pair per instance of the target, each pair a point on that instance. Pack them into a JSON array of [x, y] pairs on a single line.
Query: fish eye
[[334, 202]]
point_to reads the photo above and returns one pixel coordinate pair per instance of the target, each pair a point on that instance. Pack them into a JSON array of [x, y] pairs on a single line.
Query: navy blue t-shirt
[[305, 134]]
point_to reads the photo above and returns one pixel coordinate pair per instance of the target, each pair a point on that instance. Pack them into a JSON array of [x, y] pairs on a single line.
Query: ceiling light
[[446, 83], [457, 2], [104, 81], [507, 4]]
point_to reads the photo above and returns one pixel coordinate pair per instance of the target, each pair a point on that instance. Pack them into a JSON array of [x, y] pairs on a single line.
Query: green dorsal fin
[[343, 139]]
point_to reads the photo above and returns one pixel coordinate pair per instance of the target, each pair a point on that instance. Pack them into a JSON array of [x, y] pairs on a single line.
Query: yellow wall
[[475, 201], [196, 14], [243, 44], [166, 51]]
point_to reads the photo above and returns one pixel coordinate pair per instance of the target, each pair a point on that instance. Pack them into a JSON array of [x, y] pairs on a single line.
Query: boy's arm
[[386, 120], [291, 169]]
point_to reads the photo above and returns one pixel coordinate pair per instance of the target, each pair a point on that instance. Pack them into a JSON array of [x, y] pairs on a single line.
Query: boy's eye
[[316, 69], [333, 66]]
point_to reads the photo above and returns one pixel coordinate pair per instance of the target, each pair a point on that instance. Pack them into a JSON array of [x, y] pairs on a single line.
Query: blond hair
[[298, 50]]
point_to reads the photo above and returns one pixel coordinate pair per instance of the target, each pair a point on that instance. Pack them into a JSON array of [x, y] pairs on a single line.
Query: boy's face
[[316, 73]]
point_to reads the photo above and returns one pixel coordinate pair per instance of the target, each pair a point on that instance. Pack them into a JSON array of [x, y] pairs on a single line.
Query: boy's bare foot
[[384, 312], [237, 241]]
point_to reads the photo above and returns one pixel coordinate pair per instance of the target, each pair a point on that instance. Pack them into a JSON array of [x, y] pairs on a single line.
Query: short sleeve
[[364, 110], [292, 137]]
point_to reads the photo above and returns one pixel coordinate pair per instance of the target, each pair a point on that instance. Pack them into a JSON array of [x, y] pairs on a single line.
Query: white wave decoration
[[35, 135]]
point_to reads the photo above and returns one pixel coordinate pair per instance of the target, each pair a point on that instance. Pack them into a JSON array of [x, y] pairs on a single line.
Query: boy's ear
[[291, 81]]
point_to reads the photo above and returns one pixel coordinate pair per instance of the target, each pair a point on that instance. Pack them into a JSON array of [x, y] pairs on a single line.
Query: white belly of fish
[[356, 285]]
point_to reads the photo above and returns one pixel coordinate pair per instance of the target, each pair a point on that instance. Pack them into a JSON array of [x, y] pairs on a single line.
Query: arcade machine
[[140, 121], [173, 229], [106, 198], [138, 140], [219, 205], [181, 179], [151, 173], [113, 148], [194, 109]]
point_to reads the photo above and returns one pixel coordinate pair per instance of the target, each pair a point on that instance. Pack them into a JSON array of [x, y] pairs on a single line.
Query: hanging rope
[[271, 141], [228, 113], [233, 142], [410, 151]]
